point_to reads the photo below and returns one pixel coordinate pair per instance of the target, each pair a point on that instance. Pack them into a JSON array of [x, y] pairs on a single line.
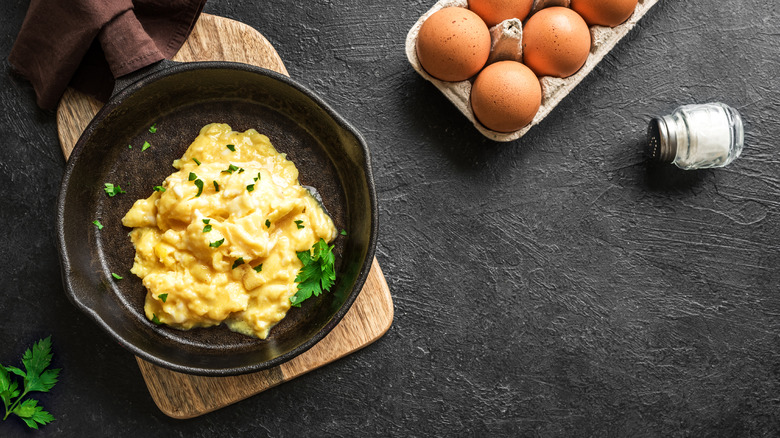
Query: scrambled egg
[[219, 243]]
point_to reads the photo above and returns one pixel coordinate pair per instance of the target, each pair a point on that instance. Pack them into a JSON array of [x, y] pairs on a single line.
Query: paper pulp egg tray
[[553, 89]]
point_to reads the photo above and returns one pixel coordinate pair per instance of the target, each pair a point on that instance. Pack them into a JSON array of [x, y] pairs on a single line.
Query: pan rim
[[114, 102]]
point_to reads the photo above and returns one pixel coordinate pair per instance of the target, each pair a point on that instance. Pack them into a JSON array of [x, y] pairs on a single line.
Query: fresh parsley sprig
[[36, 378], [318, 273]]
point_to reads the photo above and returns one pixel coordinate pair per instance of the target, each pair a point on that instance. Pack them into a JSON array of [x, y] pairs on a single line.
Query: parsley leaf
[[206, 221], [98, 224], [268, 223], [217, 243], [155, 319], [117, 276], [113, 190], [199, 184], [230, 169], [343, 232], [159, 189], [231, 147], [258, 268], [250, 188], [32, 414], [207, 228], [192, 177], [257, 178], [240, 170], [153, 128], [318, 273], [239, 261], [216, 185], [146, 146], [196, 161], [36, 377], [299, 223], [163, 297]]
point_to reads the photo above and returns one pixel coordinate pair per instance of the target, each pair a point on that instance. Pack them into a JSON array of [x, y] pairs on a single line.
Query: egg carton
[[553, 89]]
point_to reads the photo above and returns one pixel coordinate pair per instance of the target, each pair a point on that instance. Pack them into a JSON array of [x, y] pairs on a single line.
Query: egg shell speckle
[[506, 96], [604, 12], [496, 11], [556, 42], [453, 44]]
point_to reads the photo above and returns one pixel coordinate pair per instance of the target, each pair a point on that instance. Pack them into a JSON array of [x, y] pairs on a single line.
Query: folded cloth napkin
[[89, 43]]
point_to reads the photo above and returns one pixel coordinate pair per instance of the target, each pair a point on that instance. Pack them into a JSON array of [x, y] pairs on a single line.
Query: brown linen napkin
[[88, 43]]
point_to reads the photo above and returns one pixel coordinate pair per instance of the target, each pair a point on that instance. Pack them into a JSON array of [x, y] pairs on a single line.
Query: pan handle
[[129, 79]]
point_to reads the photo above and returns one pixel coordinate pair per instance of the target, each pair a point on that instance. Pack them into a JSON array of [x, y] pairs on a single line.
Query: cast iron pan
[[180, 99]]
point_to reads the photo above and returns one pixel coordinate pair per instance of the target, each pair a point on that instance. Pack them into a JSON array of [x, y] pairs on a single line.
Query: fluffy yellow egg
[[217, 242]]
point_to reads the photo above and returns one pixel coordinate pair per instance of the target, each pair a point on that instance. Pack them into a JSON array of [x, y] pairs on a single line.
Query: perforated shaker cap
[[661, 144]]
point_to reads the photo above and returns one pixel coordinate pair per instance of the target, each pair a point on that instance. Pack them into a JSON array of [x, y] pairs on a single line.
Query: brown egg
[[506, 96], [496, 11], [604, 12], [556, 42], [453, 44]]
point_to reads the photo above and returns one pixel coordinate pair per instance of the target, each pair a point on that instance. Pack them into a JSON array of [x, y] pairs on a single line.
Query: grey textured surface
[[554, 286]]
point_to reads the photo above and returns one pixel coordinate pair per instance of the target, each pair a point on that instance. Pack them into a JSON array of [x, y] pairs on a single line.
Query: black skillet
[[180, 99]]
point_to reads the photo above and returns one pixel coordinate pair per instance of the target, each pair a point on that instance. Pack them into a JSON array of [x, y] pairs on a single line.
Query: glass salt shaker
[[697, 136]]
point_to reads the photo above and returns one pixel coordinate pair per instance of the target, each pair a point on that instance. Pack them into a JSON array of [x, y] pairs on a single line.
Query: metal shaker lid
[[661, 141]]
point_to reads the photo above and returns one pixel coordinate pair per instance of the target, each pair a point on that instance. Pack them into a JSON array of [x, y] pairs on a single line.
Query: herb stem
[[13, 406]]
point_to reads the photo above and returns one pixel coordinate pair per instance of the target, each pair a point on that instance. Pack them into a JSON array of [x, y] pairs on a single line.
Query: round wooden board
[[184, 396]]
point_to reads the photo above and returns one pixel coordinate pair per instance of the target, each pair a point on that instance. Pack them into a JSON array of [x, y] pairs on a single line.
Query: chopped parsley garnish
[[299, 224], [153, 128], [258, 268], [192, 176], [318, 273], [117, 276], [199, 185], [239, 261], [98, 224], [159, 189], [146, 146], [155, 319], [268, 223], [207, 228], [163, 297], [217, 243], [250, 187], [257, 178], [240, 170], [230, 169], [231, 147], [129, 146], [343, 232], [216, 185], [196, 161], [206, 221], [113, 190]]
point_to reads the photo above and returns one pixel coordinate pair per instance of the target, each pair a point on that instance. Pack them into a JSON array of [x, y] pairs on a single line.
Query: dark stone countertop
[[553, 286]]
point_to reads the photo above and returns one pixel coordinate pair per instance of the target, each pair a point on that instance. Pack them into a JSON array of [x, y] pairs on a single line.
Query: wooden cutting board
[[185, 396]]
